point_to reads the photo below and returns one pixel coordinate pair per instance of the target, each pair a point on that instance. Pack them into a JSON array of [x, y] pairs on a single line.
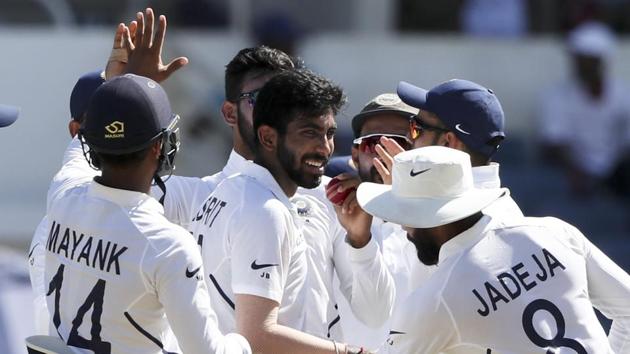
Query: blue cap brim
[[8, 115], [412, 95]]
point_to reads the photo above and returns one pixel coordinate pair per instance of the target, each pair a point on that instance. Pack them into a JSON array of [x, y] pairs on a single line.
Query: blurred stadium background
[[515, 47]]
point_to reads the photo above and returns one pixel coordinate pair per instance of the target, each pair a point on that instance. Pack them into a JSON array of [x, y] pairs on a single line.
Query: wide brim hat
[[431, 186]]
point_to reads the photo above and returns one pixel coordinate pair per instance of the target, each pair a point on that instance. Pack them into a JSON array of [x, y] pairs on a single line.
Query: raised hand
[[118, 58], [386, 150], [350, 215], [145, 50]]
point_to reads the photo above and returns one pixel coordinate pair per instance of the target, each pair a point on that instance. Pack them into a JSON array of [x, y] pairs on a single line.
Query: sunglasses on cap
[[416, 126], [250, 96], [368, 143]]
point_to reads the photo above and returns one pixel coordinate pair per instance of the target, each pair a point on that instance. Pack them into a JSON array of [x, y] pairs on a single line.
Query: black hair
[[293, 95], [257, 61], [125, 160]]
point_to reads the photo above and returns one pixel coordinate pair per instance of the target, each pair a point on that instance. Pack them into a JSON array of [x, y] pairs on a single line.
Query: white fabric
[[362, 283], [252, 245], [434, 181], [402, 261], [595, 131], [487, 177], [36, 261], [184, 195], [113, 250], [541, 264], [407, 272], [592, 38]]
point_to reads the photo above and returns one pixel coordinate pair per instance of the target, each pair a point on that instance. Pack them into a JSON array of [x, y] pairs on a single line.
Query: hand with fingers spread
[[145, 50], [356, 221], [386, 150], [118, 58]]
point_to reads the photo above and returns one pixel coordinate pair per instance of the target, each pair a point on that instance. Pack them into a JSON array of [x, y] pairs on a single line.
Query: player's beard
[[370, 175], [245, 129], [294, 166], [428, 251]]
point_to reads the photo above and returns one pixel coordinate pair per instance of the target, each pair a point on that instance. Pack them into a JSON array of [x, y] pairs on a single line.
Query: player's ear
[[73, 128], [267, 137], [156, 149], [229, 113], [451, 140]]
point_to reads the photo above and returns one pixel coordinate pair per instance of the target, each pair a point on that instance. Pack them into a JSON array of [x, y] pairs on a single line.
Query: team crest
[[302, 205]]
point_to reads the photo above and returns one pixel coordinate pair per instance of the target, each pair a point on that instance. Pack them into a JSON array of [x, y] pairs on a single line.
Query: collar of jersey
[[122, 197], [235, 163], [486, 177], [465, 240], [264, 177]]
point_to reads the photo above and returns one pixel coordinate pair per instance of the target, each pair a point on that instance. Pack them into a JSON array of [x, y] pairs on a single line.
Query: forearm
[[373, 291], [278, 339]]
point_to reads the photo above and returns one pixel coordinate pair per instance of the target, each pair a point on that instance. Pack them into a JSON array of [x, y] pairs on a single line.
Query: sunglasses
[[416, 126], [368, 143], [249, 96]]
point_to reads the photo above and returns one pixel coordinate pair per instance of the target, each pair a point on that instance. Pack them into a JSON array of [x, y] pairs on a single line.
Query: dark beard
[[288, 161], [428, 252], [370, 176], [246, 130]]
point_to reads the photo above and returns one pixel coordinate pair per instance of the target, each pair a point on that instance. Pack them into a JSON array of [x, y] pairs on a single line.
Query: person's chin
[[311, 181]]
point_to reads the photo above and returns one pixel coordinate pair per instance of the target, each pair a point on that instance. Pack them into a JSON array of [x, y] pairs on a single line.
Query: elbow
[[260, 337]]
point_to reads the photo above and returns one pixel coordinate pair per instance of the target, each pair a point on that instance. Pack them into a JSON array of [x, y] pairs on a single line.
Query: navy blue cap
[[126, 114], [470, 110], [83, 91], [8, 115]]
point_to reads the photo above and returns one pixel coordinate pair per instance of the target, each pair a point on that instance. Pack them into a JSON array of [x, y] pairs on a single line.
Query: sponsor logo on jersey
[[261, 266], [191, 273], [115, 130]]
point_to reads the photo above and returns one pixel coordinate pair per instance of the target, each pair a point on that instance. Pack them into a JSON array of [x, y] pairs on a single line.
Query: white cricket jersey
[[364, 281], [119, 276], [527, 285], [487, 177], [252, 245], [184, 195], [36, 261], [407, 272], [401, 259]]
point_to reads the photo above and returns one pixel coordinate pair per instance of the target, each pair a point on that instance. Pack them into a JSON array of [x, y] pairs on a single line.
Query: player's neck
[[449, 231], [243, 149], [128, 179], [289, 187]]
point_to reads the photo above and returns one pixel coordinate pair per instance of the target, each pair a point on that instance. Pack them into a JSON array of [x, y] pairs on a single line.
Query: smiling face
[[305, 148]]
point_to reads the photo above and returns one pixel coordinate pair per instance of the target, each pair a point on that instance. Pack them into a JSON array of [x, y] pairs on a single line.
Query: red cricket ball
[[337, 198]]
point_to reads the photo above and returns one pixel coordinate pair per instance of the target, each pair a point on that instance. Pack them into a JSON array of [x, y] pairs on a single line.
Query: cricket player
[[503, 284], [252, 244], [120, 276], [364, 279], [79, 100], [383, 116]]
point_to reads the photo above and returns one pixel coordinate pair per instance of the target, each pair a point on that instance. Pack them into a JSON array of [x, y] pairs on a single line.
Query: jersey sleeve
[[422, 325], [37, 261], [74, 171], [182, 291], [609, 290], [183, 196], [364, 280], [260, 250]]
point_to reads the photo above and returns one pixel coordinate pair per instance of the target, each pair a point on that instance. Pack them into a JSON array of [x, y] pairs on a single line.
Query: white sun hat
[[431, 186]]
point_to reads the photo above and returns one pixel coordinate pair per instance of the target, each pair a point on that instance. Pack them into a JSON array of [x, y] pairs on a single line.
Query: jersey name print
[[89, 250]]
